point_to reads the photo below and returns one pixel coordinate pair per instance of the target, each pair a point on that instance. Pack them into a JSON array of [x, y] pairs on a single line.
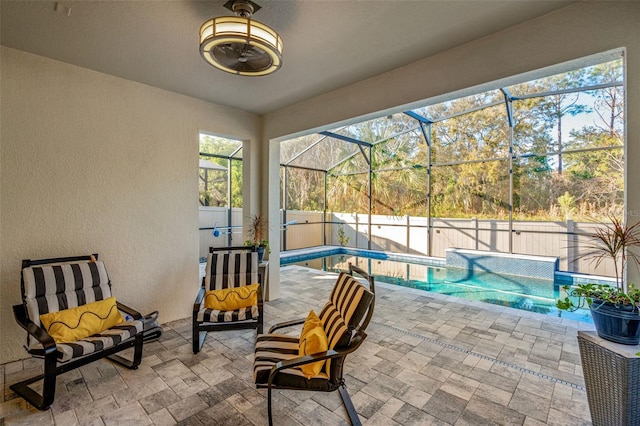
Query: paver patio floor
[[428, 359]]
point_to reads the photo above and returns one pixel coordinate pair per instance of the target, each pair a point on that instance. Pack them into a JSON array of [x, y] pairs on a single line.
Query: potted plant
[[615, 310], [257, 233]]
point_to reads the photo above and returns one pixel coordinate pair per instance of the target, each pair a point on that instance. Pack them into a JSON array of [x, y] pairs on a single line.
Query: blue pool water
[[529, 294]]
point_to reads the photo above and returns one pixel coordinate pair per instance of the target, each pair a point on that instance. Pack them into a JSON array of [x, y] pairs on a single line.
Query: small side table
[[612, 377]]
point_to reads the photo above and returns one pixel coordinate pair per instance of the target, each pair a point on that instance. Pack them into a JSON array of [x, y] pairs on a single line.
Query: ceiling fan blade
[[242, 57]]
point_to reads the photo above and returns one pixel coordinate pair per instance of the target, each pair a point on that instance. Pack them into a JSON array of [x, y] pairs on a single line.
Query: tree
[[467, 164], [553, 108], [216, 193], [609, 104]]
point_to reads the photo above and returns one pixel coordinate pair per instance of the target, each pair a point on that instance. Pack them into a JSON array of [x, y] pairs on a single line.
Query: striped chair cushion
[[338, 334], [227, 270], [271, 348], [212, 315], [351, 299], [95, 343], [52, 288]]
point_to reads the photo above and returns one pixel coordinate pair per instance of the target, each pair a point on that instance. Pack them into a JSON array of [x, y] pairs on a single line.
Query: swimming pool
[[529, 294]]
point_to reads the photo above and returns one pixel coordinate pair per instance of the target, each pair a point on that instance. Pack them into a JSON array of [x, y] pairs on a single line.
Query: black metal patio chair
[[344, 319], [55, 287], [228, 268]]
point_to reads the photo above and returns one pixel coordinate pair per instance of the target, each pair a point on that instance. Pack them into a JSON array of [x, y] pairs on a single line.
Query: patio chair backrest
[[351, 299], [342, 314], [55, 287], [231, 269]]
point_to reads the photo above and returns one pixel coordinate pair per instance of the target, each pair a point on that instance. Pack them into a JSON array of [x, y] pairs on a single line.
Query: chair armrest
[[286, 324], [301, 360], [124, 308], [39, 333], [306, 359], [356, 341], [199, 298], [319, 356]]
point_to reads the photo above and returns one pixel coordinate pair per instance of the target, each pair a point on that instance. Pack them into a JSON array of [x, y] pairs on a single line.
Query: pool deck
[[429, 359]]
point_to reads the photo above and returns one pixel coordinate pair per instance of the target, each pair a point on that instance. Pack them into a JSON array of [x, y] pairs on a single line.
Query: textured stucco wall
[[91, 162], [95, 163]]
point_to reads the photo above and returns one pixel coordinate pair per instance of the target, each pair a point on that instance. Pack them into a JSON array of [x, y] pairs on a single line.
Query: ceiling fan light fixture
[[239, 44]]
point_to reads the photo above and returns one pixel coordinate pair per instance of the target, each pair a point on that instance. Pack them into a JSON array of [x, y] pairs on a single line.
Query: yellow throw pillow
[[310, 323], [74, 324], [313, 339], [231, 299]]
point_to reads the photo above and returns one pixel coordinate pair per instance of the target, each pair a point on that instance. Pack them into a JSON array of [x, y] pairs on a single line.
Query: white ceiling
[[327, 44]]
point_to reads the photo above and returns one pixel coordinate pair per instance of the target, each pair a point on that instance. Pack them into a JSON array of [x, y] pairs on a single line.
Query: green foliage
[[205, 198], [214, 182], [304, 189], [567, 204], [263, 243], [469, 156], [615, 241], [257, 231], [343, 238], [584, 294]]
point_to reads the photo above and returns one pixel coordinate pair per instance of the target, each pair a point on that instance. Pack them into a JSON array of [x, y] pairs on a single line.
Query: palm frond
[[615, 241]]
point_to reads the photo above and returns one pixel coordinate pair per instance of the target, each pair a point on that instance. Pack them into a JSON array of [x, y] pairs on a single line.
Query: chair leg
[[351, 410], [198, 339], [44, 401], [194, 338], [137, 352], [137, 355], [269, 406]]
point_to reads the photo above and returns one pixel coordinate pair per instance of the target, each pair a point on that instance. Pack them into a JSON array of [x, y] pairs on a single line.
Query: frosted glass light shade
[[240, 45]]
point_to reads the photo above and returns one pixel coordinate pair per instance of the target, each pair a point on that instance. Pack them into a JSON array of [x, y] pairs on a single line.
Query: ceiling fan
[[239, 44]]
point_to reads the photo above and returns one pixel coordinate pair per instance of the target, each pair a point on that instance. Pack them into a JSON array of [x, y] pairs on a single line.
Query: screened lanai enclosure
[[220, 192], [528, 168]]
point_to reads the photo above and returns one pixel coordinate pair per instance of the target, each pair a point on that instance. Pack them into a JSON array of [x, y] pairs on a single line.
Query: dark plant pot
[[620, 324], [261, 250]]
